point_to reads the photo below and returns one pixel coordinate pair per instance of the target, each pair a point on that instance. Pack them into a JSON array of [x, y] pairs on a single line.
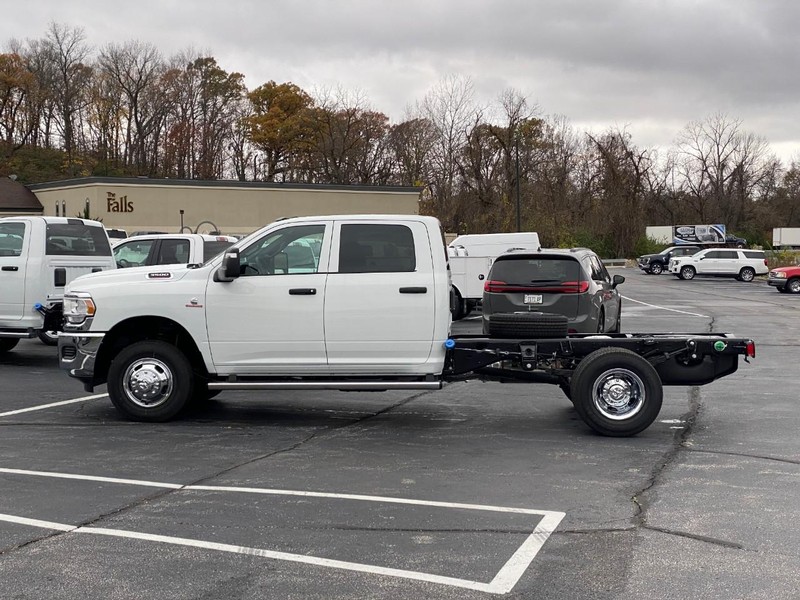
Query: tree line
[[125, 110]]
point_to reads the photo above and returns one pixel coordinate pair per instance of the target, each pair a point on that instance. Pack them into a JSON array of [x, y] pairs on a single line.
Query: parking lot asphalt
[[479, 490]]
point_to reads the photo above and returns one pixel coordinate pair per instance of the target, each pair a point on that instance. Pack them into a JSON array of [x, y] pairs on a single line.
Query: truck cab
[[341, 296], [39, 256]]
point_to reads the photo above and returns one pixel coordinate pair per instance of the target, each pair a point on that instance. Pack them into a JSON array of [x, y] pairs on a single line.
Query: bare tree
[[451, 109], [67, 51], [136, 70]]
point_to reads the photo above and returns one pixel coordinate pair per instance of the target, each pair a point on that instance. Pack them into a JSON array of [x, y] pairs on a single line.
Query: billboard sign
[[698, 234]]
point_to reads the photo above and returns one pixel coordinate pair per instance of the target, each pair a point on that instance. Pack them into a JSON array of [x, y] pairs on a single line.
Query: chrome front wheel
[[150, 380]]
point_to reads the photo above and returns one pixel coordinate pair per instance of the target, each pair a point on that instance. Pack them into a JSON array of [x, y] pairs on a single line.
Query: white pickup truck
[[350, 303], [169, 249], [38, 257]]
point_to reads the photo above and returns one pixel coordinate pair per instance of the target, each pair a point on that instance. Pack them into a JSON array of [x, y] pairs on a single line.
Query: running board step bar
[[326, 385]]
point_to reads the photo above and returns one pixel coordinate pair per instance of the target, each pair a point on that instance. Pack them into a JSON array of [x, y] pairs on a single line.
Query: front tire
[[616, 392], [688, 273], [8, 344], [656, 268], [792, 286], [150, 381], [747, 274]]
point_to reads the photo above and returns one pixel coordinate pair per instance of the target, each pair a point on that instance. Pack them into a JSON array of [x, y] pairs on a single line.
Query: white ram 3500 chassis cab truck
[[351, 302]]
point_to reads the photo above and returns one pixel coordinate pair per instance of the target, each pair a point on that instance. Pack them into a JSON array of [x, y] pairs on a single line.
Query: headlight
[[78, 307]]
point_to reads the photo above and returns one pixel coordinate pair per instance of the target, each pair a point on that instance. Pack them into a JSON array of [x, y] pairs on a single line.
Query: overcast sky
[[650, 66]]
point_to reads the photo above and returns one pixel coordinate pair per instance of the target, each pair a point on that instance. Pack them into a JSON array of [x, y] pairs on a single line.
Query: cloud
[[649, 65]]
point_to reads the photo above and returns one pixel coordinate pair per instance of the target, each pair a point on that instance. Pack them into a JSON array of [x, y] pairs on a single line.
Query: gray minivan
[[573, 283]]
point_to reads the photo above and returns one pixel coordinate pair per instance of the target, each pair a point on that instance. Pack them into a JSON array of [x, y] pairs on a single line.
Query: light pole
[[516, 161], [181, 220]]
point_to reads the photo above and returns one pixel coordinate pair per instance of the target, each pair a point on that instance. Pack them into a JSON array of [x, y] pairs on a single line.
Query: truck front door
[[270, 319], [14, 242], [379, 300]]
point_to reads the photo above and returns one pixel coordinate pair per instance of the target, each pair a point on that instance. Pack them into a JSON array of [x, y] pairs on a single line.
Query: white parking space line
[[51, 405], [683, 312], [158, 484], [502, 583]]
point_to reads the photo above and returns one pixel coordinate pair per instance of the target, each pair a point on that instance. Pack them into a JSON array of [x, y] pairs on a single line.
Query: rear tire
[[8, 344], [616, 392], [458, 310], [747, 274], [527, 325], [150, 381]]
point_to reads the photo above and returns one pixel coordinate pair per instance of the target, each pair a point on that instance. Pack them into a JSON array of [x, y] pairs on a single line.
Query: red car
[[786, 279]]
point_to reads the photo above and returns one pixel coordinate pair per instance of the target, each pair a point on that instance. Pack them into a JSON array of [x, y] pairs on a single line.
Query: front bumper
[[77, 354], [777, 282]]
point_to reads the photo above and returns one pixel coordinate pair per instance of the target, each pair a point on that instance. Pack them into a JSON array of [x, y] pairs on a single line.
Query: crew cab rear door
[[379, 299], [14, 243]]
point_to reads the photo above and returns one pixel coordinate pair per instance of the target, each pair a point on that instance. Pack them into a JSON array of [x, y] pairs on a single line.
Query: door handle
[[10, 268], [302, 291], [414, 290]]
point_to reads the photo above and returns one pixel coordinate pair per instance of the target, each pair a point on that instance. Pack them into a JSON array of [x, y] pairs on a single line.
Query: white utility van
[[38, 257], [471, 256]]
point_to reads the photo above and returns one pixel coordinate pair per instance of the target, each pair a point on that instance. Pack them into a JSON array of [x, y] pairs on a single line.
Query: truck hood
[[136, 275]]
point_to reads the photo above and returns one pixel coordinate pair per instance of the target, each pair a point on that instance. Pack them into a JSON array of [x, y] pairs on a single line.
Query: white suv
[[744, 265]]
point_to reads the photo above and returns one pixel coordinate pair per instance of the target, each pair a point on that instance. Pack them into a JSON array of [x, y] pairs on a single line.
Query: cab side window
[[11, 238], [372, 248], [173, 252], [288, 251], [133, 253]]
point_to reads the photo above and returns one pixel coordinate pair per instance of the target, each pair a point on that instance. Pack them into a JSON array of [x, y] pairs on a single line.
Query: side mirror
[[230, 268], [616, 280]]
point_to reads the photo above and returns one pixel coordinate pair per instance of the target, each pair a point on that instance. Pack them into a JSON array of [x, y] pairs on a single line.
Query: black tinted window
[[211, 249], [173, 252], [76, 239], [753, 254], [524, 271], [376, 249], [728, 254]]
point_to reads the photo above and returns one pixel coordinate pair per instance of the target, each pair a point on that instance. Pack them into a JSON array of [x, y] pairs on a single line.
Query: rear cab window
[[76, 239], [212, 248]]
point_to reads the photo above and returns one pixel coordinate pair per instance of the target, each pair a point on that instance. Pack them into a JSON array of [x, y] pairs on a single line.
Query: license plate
[[533, 299]]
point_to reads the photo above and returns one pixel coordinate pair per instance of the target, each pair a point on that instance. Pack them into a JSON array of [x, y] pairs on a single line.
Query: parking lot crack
[[644, 497]]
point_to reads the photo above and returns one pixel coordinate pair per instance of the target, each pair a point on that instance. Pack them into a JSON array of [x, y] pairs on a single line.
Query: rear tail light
[[750, 348], [494, 286], [765, 263], [575, 287]]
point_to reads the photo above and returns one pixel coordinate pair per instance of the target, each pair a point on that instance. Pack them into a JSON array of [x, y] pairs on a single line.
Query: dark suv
[[658, 263], [573, 283]]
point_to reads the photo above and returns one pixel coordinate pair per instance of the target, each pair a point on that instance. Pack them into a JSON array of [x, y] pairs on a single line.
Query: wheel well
[[136, 329]]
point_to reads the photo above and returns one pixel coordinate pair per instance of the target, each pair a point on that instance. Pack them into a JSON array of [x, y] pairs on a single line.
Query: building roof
[[223, 183], [16, 197]]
